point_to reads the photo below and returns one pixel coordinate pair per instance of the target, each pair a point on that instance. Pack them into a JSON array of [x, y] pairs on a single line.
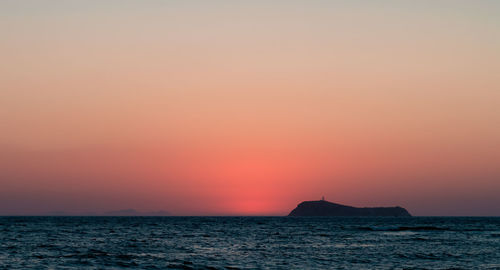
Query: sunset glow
[[248, 108]]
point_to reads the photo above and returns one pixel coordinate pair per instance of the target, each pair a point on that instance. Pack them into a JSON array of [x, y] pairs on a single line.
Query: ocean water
[[249, 243]]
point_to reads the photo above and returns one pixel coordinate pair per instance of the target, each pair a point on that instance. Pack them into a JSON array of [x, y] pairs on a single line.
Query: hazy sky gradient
[[233, 107]]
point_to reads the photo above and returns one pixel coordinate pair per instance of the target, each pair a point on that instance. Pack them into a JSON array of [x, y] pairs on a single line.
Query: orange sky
[[227, 108]]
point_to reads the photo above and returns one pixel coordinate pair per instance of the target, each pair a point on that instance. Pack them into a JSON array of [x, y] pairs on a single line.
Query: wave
[[403, 228]]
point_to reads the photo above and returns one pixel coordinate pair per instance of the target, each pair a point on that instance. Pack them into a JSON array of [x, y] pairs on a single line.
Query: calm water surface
[[249, 243]]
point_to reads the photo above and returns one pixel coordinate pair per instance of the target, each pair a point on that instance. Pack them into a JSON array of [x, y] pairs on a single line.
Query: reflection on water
[[249, 242]]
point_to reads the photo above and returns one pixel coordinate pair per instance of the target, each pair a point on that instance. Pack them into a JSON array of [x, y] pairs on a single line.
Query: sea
[[249, 243]]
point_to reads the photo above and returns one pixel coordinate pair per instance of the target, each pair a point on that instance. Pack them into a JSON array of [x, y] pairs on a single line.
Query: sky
[[249, 107]]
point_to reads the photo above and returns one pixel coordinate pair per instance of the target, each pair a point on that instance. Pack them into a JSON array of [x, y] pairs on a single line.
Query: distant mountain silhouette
[[324, 208], [133, 212], [56, 213], [123, 212]]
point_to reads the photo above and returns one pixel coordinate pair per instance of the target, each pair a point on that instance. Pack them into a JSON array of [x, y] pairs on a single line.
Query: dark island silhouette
[[325, 208]]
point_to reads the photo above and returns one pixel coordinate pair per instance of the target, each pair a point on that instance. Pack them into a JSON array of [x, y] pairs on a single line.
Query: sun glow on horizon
[[249, 107]]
